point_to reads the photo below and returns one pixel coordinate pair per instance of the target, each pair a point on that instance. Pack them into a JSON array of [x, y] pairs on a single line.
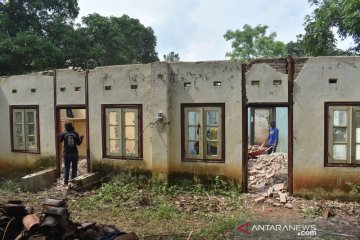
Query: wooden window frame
[[350, 107], [24, 109], [202, 156], [122, 108]]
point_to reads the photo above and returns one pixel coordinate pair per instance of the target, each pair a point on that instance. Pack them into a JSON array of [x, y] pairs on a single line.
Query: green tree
[[171, 57], [344, 16], [251, 43], [31, 33], [113, 40]]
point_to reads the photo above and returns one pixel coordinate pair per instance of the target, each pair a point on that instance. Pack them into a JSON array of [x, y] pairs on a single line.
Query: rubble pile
[[195, 204], [267, 170], [52, 223]]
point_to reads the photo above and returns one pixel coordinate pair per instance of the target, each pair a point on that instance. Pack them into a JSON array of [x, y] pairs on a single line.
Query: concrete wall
[[43, 97], [266, 91], [311, 91], [202, 90]]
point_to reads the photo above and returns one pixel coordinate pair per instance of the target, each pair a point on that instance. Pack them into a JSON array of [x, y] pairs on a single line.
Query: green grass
[[9, 185]]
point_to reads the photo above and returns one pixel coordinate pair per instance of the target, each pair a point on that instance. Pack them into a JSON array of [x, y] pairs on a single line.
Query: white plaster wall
[[266, 91], [69, 79], [43, 97], [120, 78], [311, 91], [201, 75]]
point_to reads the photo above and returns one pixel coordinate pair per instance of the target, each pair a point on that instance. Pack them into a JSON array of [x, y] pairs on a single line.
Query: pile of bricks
[[53, 222], [268, 178]]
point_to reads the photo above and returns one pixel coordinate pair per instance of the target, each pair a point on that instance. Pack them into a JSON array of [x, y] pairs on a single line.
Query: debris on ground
[[266, 171], [196, 204], [52, 222]]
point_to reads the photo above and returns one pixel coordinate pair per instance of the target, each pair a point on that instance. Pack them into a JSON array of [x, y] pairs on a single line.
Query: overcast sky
[[194, 28]]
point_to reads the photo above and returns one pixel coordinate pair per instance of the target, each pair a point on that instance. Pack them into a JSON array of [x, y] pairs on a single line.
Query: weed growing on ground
[[9, 185]]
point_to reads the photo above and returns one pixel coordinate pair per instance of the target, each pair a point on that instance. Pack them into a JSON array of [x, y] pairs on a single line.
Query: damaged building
[[192, 117]]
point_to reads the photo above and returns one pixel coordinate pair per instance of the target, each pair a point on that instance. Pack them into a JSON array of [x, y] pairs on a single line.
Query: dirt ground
[[248, 220]]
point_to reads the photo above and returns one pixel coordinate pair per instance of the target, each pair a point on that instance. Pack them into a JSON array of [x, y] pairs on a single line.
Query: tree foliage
[[251, 43], [171, 57], [341, 15], [37, 35], [114, 40], [30, 31]]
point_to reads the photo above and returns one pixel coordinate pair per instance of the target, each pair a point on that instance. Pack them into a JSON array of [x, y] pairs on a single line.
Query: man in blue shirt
[[273, 138]]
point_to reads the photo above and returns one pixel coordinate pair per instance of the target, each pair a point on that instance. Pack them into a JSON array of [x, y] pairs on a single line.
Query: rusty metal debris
[[52, 223]]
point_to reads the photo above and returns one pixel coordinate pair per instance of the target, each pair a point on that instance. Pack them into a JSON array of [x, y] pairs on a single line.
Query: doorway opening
[[267, 162], [78, 117]]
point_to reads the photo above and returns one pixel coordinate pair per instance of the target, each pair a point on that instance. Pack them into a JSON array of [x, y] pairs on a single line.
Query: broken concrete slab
[[85, 181], [260, 199], [282, 197], [279, 187], [37, 181]]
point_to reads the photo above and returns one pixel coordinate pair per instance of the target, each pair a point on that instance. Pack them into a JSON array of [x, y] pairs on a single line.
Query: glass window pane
[[114, 146], [18, 117], [193, 134], [357, 154], [130, 147], [30, 117], [339, 152], [212, 148], [19, 141], [129, 132], [212, 117], [193, 118], [18, 129], [114, 132], [113, 118], [340, 134], [31, 141], [30, 129], [357, 119], [212, 133], [357, 135], [129, 118], [340, 118], [193, 148]]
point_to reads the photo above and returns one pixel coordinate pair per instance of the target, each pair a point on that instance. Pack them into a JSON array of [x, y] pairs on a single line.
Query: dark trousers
[[70, 158]]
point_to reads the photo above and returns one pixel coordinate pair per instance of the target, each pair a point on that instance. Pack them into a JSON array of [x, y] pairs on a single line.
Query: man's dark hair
[[273, 124], [69, 127]]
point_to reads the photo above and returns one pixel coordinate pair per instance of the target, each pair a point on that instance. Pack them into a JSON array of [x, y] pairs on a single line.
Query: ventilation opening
[[14, 91], [277, 82], [255, 83], [133, 86], [107, 88], [187, 84], [77, 89], [62, 89], [33, 90], [217, 84], [332, 80]]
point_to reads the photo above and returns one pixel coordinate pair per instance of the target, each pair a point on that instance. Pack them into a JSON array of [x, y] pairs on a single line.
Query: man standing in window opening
[[273, 138], [71, 140]]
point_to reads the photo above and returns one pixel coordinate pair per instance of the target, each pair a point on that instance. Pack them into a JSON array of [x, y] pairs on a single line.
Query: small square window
[[14, 91], [333, 81], [277, 82], [107, 87], [255, 83], [217, 83], [62, 89], [33, 90], [133, 86], [187, 84], [77, 89]]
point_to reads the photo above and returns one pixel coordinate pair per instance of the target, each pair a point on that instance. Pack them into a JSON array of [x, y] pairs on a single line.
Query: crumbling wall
[[31, 89], [194, 83], [311, 90]]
